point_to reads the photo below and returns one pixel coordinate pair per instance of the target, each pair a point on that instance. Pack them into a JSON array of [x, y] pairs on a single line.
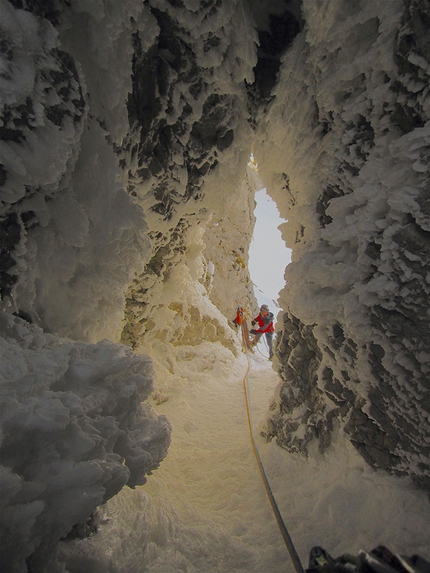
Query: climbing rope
[[240, 320], [282, 527]]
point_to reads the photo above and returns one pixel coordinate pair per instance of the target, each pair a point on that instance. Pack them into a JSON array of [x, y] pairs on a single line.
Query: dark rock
[[86, 529], [283, 28], [49, 9], [329, 193], [406, 118], [10, 234], [373, 250]]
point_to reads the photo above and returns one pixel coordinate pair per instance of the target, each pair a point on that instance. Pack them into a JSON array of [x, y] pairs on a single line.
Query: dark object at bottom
[[379, 560]]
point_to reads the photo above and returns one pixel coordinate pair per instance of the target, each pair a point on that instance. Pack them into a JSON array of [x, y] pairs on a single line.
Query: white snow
[[331, 127], [206, 510], [74, 433]]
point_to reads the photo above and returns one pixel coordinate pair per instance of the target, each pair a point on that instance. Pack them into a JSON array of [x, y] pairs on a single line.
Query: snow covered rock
[[74, 432], [349, 169], [83, 126], [72, 238], [127, 211], [190, 131], [135, 106]]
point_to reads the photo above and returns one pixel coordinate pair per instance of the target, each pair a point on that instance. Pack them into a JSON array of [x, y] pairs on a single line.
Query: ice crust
[[127, 209], [349, 170], [74, 433], [61, 173]]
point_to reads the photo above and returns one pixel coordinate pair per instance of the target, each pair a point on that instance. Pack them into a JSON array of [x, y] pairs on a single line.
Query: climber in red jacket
[[265, 326]]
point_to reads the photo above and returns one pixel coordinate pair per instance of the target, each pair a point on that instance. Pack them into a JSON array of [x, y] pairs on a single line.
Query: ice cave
[[127, 212]]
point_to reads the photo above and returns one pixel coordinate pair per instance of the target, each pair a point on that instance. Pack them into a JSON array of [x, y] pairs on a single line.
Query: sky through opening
[[268, 255]]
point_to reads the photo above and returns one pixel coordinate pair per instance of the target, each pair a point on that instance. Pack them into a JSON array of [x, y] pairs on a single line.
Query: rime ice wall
[[124, 138], [188, 149], [77, 235], [74, 433], [127, 210], [349, 169]]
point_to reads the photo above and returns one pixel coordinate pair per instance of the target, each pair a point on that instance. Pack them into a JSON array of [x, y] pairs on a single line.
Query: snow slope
[[206, 508]]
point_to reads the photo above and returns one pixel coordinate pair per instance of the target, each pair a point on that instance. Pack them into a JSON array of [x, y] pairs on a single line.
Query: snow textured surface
[[78, 236], [126, 215], [206, 508], [74, 433], [344, 151]]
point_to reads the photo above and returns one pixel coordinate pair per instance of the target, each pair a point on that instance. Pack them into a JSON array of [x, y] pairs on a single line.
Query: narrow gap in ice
[[268, 255]]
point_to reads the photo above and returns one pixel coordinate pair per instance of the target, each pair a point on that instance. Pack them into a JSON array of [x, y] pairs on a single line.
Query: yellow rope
[[284, 532]]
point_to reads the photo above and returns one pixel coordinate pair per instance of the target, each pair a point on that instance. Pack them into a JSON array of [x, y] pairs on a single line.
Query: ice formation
[[74, 433], [350, 172], [126, 216]]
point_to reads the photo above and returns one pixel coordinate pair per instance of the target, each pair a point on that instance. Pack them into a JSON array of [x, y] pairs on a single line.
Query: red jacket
[[265, 324]]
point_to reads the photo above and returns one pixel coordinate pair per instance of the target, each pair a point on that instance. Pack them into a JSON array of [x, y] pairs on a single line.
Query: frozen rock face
[[74, 432], [190, 130], [350, 171], [227, 240], [126, 213], [116, 120], [72, 237]]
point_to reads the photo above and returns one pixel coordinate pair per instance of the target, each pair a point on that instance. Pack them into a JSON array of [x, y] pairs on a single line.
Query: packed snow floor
[[205, 509]]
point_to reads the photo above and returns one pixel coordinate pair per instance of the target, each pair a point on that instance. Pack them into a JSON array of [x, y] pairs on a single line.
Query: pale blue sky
[[268, 255]]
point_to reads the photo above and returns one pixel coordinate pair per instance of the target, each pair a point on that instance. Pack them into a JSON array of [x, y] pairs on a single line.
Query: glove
[[253, 331], [253, 322]]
